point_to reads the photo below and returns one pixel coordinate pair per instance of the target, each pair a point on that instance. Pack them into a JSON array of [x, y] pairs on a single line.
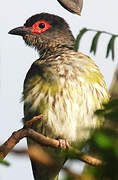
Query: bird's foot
[[63, 143]]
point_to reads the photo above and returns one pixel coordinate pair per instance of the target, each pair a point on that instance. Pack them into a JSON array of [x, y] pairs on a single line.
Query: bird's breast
[[67, 96]]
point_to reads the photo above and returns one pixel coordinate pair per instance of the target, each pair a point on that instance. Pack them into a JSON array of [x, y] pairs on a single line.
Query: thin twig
[[30, 122]]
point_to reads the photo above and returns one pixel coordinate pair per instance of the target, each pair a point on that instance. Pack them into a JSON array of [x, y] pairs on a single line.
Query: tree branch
[[43, 140], [12, 141]]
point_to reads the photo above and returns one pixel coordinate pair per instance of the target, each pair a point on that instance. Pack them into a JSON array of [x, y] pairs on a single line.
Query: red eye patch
[[39, 27]]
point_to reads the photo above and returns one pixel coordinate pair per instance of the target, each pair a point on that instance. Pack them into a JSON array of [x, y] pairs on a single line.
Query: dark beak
[[21, 31]]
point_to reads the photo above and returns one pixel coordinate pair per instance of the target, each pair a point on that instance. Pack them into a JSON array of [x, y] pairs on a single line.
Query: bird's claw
[[63, 143]]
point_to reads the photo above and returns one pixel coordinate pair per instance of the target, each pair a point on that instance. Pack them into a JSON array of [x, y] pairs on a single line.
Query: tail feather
[[41, 172]]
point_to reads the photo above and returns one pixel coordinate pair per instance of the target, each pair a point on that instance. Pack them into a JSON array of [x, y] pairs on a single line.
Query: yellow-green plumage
[[67, 97], [63, 85], [67, 91]]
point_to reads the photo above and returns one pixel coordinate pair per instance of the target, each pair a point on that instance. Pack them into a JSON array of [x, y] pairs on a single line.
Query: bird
[[63, 85]]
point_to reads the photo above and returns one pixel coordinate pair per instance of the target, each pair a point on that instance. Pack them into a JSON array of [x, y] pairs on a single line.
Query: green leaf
[[77, 41], [95, 42], [112, 115], [116, 150], [103, 140], [111, 104], [110, 47], [4, 162]]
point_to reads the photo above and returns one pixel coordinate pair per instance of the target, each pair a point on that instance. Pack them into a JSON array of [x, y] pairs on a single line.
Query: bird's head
[[45, 31]]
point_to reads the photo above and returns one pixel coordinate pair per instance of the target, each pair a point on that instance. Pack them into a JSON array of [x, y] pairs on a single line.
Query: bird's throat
[[54, 51]]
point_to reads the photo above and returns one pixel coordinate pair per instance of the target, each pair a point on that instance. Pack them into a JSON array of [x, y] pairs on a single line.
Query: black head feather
[[55, 38], [53, 20]]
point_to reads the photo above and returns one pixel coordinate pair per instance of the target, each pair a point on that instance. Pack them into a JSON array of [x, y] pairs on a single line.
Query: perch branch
[[43, 140]]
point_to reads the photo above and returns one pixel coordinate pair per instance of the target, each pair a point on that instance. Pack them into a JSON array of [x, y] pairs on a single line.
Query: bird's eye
[[41, 25]]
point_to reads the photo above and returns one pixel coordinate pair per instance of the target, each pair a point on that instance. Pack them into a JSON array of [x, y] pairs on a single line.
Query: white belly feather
[[69, 113], [70, 102]]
